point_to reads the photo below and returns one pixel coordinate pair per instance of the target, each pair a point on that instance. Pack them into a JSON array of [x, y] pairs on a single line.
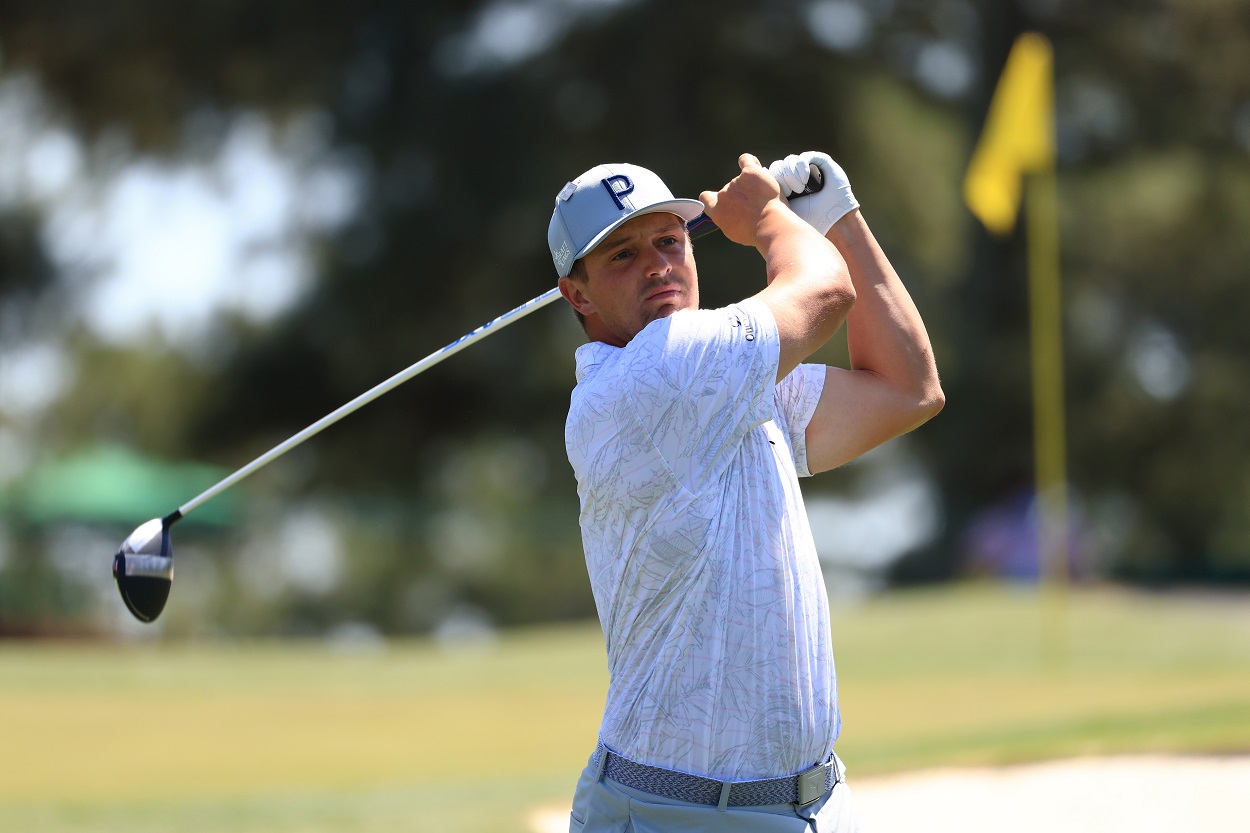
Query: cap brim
[[685, 209]]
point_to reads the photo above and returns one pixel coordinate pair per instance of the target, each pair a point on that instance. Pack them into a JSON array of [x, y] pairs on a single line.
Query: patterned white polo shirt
[[687, 455]]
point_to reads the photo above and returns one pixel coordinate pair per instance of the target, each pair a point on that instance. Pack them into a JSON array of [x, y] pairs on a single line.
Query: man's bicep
[[799, 332], [857, 411]]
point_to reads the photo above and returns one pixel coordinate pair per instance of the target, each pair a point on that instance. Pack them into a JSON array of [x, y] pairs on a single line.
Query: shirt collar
[[590, 355]]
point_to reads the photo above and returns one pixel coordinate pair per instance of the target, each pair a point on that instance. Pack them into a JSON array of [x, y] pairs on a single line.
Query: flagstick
[[1019, 139], [1046, 332]]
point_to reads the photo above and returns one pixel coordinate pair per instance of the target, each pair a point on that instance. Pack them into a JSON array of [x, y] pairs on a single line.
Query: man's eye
[[668, 241], [621, 255]]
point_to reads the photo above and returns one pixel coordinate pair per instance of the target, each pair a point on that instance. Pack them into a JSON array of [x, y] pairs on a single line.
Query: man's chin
[[675, 303], [663, 311]]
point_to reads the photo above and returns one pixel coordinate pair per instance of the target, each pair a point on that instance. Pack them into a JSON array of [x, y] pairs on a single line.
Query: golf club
[[144, 564]]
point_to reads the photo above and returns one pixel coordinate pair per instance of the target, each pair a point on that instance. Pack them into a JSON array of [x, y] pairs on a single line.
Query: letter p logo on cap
[[618, 186], [583, 216]]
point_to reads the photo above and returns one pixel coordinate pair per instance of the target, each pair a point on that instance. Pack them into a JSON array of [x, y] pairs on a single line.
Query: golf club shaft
[[364, 399], [697, 227]]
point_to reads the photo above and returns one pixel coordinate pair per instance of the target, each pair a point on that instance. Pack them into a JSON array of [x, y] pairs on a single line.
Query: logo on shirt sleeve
[[748, 331]]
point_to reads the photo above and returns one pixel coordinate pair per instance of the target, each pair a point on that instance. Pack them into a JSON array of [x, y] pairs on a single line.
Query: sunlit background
[[216, 233], [220, 221]]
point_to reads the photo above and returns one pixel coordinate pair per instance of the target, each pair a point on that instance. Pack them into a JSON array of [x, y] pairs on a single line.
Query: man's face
[[642, 271]]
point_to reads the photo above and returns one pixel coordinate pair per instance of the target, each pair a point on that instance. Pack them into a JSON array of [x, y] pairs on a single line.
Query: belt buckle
[[811, 785]]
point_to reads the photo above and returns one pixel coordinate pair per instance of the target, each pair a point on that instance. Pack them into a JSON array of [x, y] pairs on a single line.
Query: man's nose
[[657, 262]]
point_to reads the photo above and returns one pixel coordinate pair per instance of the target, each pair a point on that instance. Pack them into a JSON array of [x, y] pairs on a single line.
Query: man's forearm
[[808, 290], [885, 333]]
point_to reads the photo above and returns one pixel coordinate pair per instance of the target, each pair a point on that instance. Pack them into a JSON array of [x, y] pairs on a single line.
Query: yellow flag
[[1019, 135]]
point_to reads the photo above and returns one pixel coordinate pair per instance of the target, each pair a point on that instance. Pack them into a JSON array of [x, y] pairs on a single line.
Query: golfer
[[687, 431]]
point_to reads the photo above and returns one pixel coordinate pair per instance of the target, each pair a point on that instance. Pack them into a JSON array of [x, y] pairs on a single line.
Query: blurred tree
[[461, 121]]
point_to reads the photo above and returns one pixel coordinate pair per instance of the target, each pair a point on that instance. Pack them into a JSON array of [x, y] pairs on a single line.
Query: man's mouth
[[663, 293]]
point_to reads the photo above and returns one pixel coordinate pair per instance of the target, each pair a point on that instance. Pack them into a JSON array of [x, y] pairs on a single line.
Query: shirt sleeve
[[701, 379], [796, 398]]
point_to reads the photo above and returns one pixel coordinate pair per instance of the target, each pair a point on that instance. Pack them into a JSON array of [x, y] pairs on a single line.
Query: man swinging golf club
[[687, 431]]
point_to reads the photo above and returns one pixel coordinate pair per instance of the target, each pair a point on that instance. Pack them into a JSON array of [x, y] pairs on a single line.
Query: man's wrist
[[848, 230], [775, 220]]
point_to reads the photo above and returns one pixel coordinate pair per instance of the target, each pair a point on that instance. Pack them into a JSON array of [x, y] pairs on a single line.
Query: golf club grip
[[702, 225]]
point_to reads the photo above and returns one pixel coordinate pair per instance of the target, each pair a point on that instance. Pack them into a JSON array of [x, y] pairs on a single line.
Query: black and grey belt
[[800, 789]]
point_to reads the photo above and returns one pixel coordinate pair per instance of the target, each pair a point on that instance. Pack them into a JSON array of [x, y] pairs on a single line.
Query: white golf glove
[[828, 205]]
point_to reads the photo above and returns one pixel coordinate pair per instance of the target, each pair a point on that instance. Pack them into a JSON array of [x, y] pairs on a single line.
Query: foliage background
[[417, 150]]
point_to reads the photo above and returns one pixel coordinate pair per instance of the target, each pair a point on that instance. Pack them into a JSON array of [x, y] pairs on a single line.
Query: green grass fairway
[[301, 738]]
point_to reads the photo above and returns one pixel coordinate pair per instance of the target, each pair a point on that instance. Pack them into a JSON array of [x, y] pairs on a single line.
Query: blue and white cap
[[591, 206]]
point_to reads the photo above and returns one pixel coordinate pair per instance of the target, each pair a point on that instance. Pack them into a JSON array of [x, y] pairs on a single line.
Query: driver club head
[[144, 569]]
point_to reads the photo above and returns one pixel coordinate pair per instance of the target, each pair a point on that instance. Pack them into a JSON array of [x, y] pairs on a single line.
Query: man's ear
[[573, 293]]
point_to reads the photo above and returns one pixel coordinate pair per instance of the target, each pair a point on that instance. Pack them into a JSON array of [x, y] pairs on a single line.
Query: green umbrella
[[112, 484]]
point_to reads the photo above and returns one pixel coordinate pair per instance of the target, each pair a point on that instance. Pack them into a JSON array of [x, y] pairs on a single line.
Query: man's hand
[[824, 208], [808, 289], [738, 207]]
